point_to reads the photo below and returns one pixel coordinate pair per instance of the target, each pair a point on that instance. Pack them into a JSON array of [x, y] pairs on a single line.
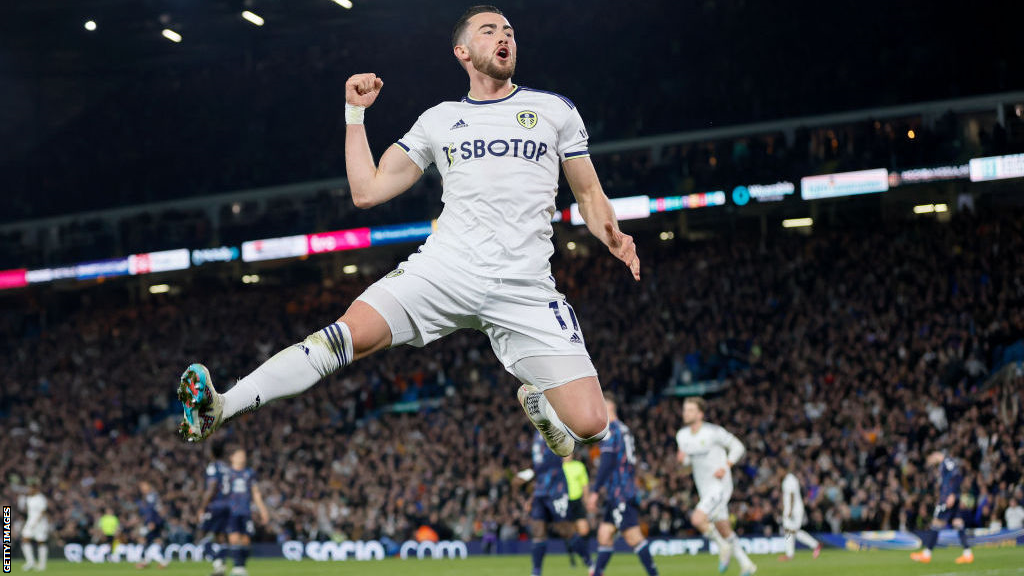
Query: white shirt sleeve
[[733, 447], [679, 446], [573, 137], [416, 144]]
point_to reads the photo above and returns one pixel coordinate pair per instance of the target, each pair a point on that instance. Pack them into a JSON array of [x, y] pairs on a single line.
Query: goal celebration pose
[[486, 266]]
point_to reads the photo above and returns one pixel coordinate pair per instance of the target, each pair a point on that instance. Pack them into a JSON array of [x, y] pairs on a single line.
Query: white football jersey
[[499, 161], [791, 492], [35, 508], [711, 448]]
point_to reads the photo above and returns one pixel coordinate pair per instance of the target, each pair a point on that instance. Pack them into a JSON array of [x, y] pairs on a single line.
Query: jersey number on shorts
[[561, 505], [617, 513]]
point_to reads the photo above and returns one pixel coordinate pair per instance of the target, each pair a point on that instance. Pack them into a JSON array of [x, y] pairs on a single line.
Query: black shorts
[[621, 514], [241, 524], [548, 509], [156, 533], [215, 521], [947, 514], [576, 510]]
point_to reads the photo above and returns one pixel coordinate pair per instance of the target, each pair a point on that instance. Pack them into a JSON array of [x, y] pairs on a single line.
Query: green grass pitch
[[988, 562]]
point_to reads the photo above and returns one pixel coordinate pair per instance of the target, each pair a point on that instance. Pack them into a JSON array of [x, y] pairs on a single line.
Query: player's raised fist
[[362, 89]]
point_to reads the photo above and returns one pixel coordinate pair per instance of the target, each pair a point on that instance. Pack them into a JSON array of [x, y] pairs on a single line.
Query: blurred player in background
[[578, 481], [487, 264], [616, 478], [947, 509], [549, 507], [215, 510], [151, 514], [243, 492], [109, 525], [711, 451], [36, 529], [793, 516]]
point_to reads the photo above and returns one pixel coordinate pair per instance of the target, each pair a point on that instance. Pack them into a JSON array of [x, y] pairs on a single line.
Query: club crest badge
[[527, 119]]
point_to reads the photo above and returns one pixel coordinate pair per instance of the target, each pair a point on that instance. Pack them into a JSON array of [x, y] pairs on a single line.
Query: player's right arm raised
[[371, 184]]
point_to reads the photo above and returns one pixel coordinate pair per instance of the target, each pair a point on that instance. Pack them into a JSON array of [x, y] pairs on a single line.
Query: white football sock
[[154, 552], [790, 545], [30, 555], [737, 551], [712, 534], [292, 370], [43, 551]]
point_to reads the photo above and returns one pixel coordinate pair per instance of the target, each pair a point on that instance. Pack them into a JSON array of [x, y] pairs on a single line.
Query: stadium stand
[[854, 351]]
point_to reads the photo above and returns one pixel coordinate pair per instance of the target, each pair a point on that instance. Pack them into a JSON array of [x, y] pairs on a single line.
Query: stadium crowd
[[848, 355]]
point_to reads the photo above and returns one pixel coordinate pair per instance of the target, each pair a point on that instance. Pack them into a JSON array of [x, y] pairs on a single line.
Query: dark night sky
[[776, 59], [634, 68]]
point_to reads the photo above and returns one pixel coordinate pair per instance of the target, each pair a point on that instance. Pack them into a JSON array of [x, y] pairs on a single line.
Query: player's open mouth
[[502, 52]]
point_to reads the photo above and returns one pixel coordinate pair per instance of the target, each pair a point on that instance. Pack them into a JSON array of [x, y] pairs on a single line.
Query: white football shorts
[[425, 299], [38, 531], [794, 521], [714, 501]]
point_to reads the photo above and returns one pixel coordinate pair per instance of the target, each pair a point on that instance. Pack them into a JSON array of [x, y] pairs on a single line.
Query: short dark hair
[[460, 25], [696, 401]]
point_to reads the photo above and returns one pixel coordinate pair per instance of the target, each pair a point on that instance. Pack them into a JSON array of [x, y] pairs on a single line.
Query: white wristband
[[354, 114]]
